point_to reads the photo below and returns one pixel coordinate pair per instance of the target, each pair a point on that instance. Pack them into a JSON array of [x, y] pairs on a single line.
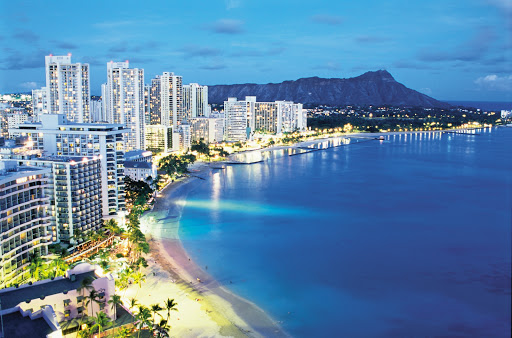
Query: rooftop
[[11, 297], [15, 325], [137, 165]]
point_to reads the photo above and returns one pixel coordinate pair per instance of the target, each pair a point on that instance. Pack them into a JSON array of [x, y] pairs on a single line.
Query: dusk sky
[[450, 50]]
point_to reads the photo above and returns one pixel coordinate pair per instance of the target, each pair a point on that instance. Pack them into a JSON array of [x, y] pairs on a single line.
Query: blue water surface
[[407, 237]]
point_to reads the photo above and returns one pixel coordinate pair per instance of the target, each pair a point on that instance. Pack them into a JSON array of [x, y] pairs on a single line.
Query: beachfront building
[[39, 103], [160, 138], [49, 306], [139, 156], [195, 101], [56, 136], [67, 88], [139, 171], [216, 127], [124, 102], [24, 221], [184, 137], [199, 129], [265, 117], [74, 188], [236, 119]]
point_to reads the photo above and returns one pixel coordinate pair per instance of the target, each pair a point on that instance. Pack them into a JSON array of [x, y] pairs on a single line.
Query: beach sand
[[205, 308]]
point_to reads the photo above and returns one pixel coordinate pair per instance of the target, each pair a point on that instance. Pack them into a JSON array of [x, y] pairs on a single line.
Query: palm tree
[[59, 267], [170, 305], [139, 278], [114, 301], [155, 308], [36, 265], [101, 320], [144, 318], [93, 298], [162, 329], [124, 333]]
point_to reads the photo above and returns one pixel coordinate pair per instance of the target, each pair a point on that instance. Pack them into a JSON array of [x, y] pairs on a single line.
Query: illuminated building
[[67, 86], [58, 137], [243, 118], [199, 129], [39, 103], [159, 138], [74, 188], [195, 101], [171, 100], [155, 110], [124, 102], [24, 221], [40, 308]]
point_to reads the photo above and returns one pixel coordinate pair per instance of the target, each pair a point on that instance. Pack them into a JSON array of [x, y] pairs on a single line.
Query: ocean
[[406, 237]]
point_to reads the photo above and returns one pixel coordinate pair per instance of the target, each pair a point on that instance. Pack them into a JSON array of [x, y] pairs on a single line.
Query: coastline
[[171, 273], [205, 308]]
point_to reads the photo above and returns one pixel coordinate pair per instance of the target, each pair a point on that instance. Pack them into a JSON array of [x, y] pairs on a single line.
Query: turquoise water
[[407, 237]]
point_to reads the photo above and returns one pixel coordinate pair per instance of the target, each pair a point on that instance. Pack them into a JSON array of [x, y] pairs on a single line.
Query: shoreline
[[219, 311], [217, 308]]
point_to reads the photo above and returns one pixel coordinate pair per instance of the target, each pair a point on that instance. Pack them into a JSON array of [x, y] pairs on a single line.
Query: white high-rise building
[[195, 101], [171, 100], [54, 135], [97, 111], [236, 118], [124, 101], [271, 117], [68, 89], [39, 103]]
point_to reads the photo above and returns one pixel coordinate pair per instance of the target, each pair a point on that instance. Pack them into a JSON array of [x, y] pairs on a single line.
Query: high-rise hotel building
[[195, 101], [67, 88], [56, 136], [74, 188], [171, 100], [243, 118], [24, 221], [123, 98]]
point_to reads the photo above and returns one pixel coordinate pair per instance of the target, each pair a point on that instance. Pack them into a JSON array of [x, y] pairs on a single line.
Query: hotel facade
[[24, 221], [56, 136], [123, 98]]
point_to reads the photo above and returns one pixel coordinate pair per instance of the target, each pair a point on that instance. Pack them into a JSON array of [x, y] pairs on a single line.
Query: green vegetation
[[175, 165]]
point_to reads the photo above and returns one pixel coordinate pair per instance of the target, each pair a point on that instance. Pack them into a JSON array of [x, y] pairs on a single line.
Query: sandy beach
[[205, 308]]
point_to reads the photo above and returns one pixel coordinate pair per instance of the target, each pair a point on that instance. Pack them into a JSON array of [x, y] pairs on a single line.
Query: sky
[[447, 49]]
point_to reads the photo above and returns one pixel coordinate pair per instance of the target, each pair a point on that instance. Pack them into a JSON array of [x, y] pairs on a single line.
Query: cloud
[[410, 65], [259, 52], [474, 49], [26, 36], [64, 45], [16, 60], [230, 4], [226, 26], [327, 19], [494, 82], [214, 66], [115, 24], [371, 39], [330, 65], [125, 47], [196, 50], [29, 85]]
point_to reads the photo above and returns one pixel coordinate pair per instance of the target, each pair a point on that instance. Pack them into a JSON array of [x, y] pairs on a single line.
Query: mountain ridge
[[371, 88]]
